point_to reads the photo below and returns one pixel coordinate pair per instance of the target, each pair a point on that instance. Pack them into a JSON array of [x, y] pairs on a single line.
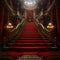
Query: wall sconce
[[50, 26], [9, 26]]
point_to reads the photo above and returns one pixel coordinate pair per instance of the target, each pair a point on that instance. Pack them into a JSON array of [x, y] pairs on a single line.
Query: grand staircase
[[29, 41]]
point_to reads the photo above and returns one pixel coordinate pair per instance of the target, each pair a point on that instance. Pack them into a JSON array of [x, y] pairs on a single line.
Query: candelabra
[[9, 26], [50, 26]]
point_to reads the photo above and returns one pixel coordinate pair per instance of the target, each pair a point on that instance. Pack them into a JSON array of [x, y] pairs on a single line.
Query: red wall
[[1, 20], [29, 14], [14, 1], [58, 16]]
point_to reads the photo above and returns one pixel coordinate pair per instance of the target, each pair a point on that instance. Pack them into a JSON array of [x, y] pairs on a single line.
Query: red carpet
[[30, 31], [29, 42], [29, 35], [18, 54]]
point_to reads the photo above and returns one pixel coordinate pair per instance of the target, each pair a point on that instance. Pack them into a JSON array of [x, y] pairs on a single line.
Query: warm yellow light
[[47, 26], [9, 26], [50, 26]]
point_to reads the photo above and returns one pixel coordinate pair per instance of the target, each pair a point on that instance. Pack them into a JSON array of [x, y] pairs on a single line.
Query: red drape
[[1, 20], [58, 18]]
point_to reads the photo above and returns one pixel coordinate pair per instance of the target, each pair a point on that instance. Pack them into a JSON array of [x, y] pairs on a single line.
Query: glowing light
[[30, 3], [9, 26], [50, 26], [50, 23]]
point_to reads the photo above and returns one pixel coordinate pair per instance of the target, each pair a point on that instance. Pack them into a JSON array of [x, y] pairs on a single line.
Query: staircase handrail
[[44, 28], [17, 25]]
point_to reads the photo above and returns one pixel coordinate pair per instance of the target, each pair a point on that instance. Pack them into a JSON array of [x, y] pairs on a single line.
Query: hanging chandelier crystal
[[30, 4]]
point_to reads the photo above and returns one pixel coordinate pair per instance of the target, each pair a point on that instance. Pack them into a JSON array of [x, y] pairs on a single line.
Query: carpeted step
[[29, 31], [30, 41], [29, 44], [31, 38], [15, 54], [31, 49]]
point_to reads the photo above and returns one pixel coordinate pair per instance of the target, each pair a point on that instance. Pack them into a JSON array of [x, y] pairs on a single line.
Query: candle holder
[[50, 26], [9, 26]]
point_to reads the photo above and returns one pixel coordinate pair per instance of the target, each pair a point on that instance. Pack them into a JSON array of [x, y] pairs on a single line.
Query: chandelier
[[29, 4]]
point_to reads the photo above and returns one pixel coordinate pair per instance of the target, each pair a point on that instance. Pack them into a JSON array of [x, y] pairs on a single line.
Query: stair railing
[[16, 30], [43, 30]]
